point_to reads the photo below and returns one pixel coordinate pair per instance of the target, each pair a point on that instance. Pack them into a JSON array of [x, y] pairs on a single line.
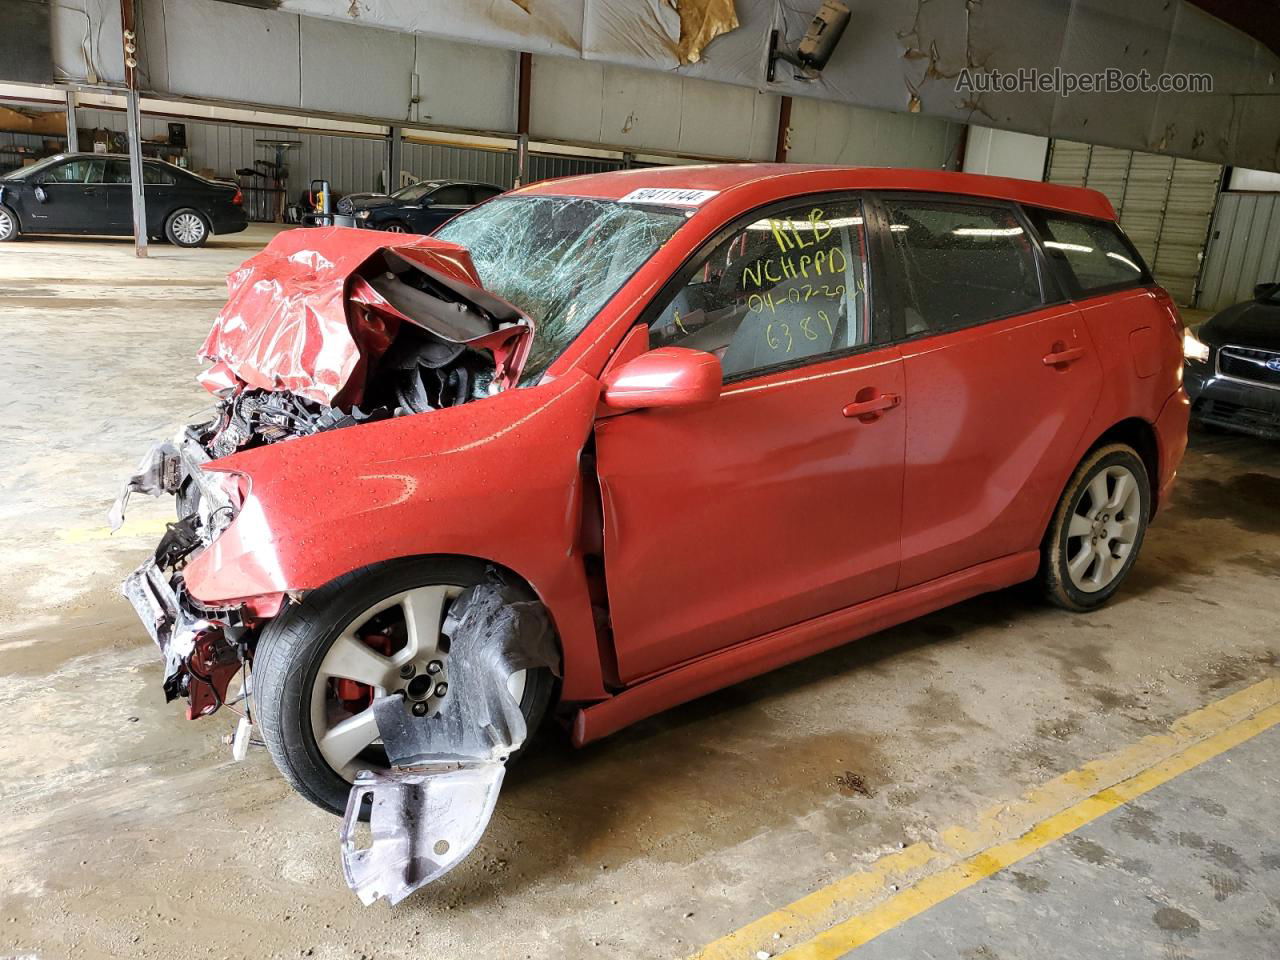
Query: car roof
[[110, 156], [781, 179]]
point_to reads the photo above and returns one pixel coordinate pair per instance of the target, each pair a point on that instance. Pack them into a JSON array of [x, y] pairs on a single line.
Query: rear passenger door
[[1001, 381]]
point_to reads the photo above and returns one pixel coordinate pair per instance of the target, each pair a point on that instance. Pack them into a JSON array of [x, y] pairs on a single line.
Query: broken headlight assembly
[[202, 646]]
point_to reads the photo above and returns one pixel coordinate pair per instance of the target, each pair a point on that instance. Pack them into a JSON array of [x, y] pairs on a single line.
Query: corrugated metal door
[[1244, 248], [1164, 204]]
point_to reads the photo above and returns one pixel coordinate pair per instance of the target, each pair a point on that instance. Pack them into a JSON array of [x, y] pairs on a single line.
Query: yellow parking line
[[850, 912]]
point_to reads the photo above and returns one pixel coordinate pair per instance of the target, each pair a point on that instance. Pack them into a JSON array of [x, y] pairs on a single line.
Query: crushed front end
[[325, 329]]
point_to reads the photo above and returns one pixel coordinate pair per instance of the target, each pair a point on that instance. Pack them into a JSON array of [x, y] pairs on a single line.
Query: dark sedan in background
[[1232, 370], [90, 193], [419, 208]]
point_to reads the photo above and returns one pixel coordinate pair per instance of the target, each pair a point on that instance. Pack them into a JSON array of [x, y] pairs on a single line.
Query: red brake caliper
[[356, 696]]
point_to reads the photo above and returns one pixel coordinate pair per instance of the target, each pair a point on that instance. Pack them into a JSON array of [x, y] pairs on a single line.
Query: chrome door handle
[[871, 408]]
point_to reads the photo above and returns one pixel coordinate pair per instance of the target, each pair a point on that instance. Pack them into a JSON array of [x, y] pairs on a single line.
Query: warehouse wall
[[204, 48], [1003, 153], [349, 163], [396, 60], [1244, 248], [823, 131], [634, 109]]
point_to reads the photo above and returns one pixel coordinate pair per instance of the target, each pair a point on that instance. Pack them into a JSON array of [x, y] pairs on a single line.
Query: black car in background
[[1232, 365], [90, 193], [418, 208]]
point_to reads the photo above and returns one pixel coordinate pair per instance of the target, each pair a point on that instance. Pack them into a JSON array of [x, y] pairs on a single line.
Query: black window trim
[[1051, 291], [1066, 276], [692, 263]]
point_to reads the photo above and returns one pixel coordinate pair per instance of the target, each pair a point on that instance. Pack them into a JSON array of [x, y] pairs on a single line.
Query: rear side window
[[786, 288], [481, 194], [959, 264], [1092, 255], [452, 196], [156, 175]]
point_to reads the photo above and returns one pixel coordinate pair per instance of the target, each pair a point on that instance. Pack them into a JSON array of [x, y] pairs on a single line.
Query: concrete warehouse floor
[[129, 832]]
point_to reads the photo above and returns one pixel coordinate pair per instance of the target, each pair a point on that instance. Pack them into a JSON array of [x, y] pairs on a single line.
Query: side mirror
[[1264, 290], [40, 194], [666, 377]]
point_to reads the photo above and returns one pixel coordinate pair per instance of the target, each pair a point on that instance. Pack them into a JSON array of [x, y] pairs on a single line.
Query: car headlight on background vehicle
[[1193, 348]]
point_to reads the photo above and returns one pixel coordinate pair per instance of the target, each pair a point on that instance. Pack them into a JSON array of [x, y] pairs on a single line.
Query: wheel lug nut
[[419, 709], [441, 689], [434, 667], [408, 670]]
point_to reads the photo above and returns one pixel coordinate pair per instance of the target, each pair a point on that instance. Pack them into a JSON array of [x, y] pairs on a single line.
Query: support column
[[524, 97], [524, 92], [784, 128], [395, 163], [129, 40], [522, 159], [135, 173], [73, 135]]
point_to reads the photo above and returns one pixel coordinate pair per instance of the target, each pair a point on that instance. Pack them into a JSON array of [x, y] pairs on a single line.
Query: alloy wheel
[[1105, 524], [395, 228], [395, 646], [7, 225], [188, 228]]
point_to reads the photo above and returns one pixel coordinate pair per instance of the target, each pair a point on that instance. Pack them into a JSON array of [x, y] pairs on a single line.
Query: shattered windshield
[[559, 259]]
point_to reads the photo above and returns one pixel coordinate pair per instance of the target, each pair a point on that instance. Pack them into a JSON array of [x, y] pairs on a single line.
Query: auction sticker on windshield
[[669, 196]]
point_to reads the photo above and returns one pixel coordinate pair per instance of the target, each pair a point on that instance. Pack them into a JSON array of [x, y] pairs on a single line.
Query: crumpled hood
[[303, 316]]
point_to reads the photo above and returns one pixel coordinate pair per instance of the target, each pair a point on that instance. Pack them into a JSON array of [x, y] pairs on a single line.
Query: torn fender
[[324, 505], [310, 315], [428, 812]]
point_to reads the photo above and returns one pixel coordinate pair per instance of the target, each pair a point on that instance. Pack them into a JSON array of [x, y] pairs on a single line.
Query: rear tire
[[187, 228], [293, 647], [9, 229], [1097, 529]]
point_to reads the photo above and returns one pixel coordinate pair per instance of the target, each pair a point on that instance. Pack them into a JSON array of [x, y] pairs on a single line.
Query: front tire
[[319, 662], [187, 228], [1097, 529], [396, 226], [9, 229]]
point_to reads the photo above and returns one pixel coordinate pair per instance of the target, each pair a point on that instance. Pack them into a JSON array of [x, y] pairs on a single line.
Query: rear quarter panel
[[1137, 334]]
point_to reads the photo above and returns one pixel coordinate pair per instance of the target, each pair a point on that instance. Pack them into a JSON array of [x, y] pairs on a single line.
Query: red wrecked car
[[604, 444]]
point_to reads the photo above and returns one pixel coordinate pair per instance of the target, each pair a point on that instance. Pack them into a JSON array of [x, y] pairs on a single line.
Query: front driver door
[[74, 198], [781, 501]]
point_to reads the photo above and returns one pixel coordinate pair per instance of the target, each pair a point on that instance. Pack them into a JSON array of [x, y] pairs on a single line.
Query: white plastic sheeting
[[904, 55]]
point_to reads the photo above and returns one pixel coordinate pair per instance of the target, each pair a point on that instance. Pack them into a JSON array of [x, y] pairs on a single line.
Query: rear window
[[959, 264], [1092, 256]]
